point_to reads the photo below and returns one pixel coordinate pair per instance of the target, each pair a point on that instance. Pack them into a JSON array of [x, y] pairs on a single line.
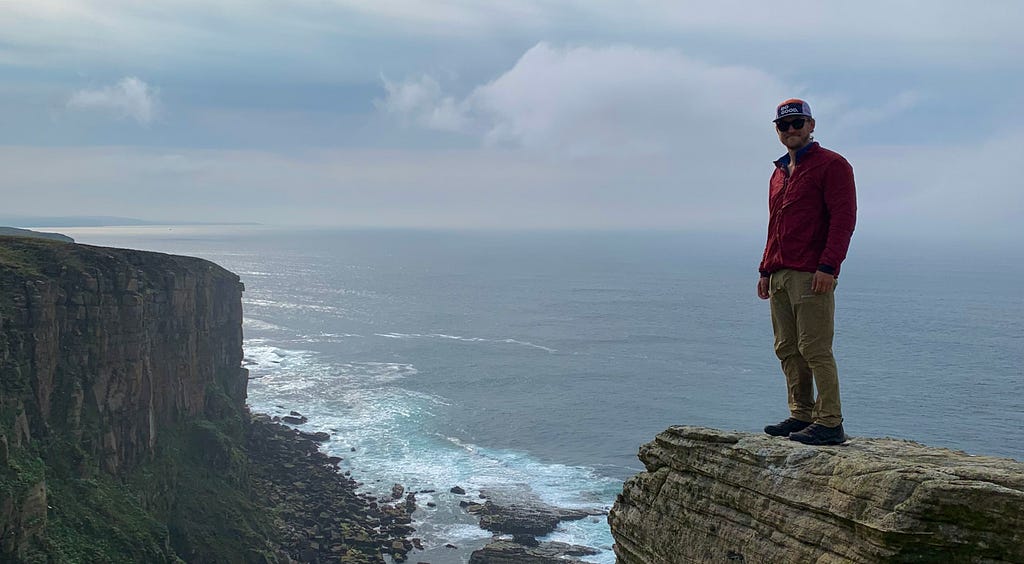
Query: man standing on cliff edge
[[812, 205]]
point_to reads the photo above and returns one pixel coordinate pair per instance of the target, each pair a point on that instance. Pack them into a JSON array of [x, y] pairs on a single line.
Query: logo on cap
[[792, 107]]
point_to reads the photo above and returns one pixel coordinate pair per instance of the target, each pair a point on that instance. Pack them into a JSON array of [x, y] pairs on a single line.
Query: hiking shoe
[[784, 428], [817, 434]]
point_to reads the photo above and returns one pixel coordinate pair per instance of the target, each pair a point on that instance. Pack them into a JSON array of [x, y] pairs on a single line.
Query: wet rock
[[534, 518], [525, 540], [509, 552], [458, 491], [319, 436], [397, 490], [323, 518]]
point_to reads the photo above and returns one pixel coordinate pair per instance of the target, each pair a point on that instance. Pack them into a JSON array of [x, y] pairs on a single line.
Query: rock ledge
[[715, 496]]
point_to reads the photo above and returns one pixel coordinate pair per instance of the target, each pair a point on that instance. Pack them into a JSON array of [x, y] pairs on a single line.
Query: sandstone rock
[[714, 496]]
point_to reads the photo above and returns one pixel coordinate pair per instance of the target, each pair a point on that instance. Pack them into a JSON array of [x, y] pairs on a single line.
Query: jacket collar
[[784, 159]]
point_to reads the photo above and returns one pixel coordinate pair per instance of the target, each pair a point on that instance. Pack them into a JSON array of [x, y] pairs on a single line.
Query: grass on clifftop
[[36, 257]]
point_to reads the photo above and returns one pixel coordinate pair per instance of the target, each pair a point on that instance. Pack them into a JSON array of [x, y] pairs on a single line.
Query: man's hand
[[762, 287], [822, 282]]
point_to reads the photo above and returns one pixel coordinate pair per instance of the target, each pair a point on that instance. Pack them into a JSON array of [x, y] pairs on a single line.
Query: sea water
[[532, 366]]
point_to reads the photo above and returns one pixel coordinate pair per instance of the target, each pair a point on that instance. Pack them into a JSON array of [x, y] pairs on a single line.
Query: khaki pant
[[804, 324]]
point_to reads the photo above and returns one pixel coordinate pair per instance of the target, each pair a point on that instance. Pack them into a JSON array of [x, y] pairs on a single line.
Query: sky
[[508, 114]]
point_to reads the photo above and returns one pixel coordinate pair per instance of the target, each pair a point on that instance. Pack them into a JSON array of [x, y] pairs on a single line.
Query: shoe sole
[[780, 434], [820, 443]]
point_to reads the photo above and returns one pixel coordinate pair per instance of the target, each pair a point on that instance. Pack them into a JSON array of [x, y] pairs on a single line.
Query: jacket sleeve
[[768, 239], [841, 202]]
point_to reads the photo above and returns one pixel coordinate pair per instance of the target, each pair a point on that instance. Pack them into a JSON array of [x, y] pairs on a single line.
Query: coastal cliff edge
[[716, 496]]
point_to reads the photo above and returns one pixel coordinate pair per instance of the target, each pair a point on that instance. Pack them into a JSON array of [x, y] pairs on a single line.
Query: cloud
[[931, 190], [130, 98], [903, 192], [420, 100], [591, 101], [849, 117]]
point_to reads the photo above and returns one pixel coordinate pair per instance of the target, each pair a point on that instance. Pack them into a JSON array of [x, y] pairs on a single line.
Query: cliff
[[124, 435], [714, 496], [120, 384]]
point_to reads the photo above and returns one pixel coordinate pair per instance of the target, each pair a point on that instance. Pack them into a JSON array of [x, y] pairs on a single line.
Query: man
[[812, 208]]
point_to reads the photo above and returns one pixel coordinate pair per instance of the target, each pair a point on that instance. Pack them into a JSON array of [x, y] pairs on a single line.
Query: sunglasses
[[796, 124]]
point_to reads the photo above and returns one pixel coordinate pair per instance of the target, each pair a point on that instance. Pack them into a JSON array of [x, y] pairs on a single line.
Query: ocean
[[532, 365]]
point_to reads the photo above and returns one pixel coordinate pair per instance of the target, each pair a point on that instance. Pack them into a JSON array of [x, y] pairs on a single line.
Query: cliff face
[[713, 496], [102, 351]]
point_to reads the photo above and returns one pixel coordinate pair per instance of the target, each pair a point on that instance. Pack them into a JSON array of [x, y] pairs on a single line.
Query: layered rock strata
[[124, 435], [100, 351], [108, 346], [715, 496]]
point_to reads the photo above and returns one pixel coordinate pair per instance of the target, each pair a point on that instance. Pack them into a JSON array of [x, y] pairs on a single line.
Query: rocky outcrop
[[510, 552], [528, 518], [714, 496], [525, 517]]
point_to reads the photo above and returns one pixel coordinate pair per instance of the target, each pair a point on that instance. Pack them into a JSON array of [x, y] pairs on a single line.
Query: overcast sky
[[507, 113]]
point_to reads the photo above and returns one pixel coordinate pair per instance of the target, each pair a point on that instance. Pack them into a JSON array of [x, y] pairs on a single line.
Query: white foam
[[359, 404], [461, 532], [463, 339], [590, 531], [260, 325], [261, 358], [291, 306]]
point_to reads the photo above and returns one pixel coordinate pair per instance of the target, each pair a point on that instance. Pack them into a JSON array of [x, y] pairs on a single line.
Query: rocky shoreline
[[321, 517], [318, 514]]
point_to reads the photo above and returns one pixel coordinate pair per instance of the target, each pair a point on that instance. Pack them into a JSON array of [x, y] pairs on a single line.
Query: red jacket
[[811, 213]]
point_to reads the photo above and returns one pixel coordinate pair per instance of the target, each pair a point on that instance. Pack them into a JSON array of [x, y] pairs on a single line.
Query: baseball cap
[[792, 107]]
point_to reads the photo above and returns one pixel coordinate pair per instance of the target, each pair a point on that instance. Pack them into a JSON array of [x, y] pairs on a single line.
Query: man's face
[[793, 137]]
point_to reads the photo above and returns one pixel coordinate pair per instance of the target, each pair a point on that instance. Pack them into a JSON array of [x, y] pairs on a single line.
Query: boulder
[[534, 519]]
